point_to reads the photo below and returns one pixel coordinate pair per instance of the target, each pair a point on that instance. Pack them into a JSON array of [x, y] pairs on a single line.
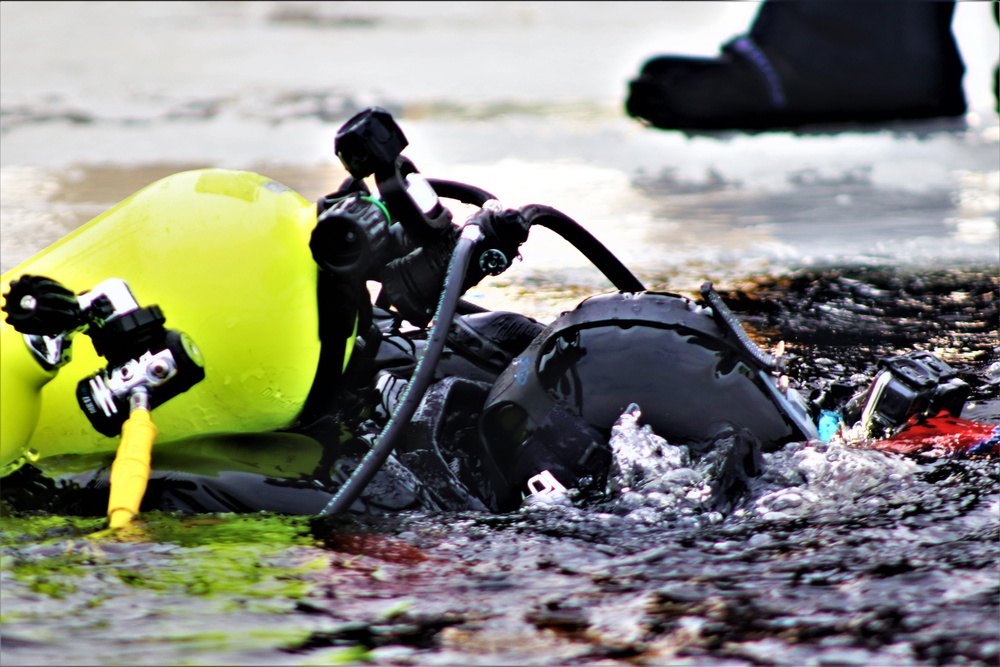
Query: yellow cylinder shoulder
[[225, 255]]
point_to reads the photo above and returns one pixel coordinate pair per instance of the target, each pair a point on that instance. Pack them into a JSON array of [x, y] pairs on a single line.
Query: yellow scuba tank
[[21, 382], [225, 255]]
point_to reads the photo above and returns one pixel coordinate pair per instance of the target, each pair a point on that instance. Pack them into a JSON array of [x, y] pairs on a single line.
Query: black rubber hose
[[467, 194], [726, 320], [463, 192], [421, 379], [584, 241]]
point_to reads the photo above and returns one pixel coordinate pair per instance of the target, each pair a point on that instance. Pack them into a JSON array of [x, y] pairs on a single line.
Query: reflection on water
[[28, 220], [978, 208], [40, 205], [674, 230]]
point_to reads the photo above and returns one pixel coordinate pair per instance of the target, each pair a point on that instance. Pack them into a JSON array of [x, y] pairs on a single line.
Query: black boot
[[815, 62]]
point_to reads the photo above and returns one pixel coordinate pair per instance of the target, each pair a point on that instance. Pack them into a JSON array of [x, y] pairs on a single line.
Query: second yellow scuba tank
[[225, 255]]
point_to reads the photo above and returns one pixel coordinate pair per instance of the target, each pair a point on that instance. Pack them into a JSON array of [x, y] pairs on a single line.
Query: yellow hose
[[130, 471]]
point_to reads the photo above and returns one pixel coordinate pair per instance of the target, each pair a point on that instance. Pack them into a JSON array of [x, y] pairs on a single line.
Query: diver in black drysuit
[[513, 409], [490, 421], [511, 400]]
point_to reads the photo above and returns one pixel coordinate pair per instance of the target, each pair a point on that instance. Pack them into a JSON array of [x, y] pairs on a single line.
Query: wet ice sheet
[[682, 214], [531, 109]]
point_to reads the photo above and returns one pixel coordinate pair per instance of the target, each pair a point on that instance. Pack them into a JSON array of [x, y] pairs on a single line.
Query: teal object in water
[[828, 424]]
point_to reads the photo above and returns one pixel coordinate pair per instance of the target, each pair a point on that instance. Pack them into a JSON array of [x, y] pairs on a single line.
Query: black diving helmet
[[692, 376]]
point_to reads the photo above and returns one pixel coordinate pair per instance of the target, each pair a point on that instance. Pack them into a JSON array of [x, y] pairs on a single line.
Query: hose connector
[[131, 468]]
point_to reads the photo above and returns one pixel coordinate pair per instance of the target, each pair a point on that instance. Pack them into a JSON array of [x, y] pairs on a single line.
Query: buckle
[[545, 485]]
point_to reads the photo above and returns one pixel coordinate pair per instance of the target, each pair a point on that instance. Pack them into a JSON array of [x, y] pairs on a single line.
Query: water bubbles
[[647, 515], [847, 473], [654, 482], [814, 479], [785, 503], [713, 518], [641, 458]]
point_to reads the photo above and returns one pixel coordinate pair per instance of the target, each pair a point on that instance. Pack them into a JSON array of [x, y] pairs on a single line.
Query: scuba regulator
[[142, 354], [148, 365], [406, 241], [405, 238]]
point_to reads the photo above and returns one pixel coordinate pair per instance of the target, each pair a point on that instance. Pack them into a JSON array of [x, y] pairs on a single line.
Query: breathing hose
[[724, 317], [586, 243], [470, 235], [130, 470], [448, 304], [467, 194], [463, 192]]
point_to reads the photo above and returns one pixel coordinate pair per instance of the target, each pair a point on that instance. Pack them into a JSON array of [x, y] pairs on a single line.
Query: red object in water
[[383, 547], [943, 435]]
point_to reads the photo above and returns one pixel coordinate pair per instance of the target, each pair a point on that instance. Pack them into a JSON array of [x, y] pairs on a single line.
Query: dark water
[[833, 554]]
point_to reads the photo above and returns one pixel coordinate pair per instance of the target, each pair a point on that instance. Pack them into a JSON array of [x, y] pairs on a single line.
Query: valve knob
[[369, 143], [40, 306]]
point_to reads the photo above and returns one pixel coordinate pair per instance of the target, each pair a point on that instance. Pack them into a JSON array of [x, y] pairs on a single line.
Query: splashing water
[[817, 478], [652, 481]]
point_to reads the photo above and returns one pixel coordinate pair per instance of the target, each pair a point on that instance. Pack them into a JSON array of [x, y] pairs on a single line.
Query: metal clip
[[545, 484]]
